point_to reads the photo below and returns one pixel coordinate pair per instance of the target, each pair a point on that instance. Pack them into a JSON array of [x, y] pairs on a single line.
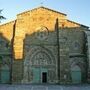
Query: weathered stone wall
[[7, 30], [48, 47], [17, 71], [71, 24], [71, 51], [29, 22], [72, 45]]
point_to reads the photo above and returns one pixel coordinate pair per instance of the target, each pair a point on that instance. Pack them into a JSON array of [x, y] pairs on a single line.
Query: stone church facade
[[43, 46]]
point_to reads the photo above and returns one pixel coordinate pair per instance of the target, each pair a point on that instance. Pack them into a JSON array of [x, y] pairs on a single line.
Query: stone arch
[[75, 68], [78, 63], [40, 56], [35, 54], [34, 51]]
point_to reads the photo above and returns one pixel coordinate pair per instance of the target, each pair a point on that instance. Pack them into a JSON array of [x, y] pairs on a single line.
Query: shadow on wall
[[43, 38], [5, 60]]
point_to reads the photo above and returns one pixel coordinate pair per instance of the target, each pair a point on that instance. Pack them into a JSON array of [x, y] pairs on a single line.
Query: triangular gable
[[44, 8]]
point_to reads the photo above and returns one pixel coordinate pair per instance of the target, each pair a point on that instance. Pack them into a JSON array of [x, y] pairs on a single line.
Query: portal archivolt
[[38, 58]]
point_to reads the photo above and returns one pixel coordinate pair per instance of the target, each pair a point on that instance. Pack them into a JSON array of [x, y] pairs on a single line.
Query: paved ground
[[44, 87]]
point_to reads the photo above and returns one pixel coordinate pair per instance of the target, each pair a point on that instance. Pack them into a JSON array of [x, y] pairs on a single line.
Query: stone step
[[46, 87]]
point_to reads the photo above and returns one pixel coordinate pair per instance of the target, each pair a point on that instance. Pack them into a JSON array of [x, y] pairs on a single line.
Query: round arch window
[[42, 33]]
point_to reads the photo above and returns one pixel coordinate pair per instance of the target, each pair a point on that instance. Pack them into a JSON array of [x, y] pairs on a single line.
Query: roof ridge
[[43, 8], [53, 10], [77, 23], [2, 24]]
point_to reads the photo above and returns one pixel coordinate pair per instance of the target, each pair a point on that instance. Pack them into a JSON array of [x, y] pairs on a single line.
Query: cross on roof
[[42, 2]]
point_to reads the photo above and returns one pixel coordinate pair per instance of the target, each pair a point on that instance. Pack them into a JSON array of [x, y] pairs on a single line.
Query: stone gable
[[28, 23]]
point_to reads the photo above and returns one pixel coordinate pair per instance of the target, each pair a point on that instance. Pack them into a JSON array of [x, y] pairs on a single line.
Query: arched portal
[[4, 71], [76, 74], [5, 74], [37, 65]]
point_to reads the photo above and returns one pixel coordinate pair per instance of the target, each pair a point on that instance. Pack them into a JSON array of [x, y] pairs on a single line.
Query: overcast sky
[[77, 10]]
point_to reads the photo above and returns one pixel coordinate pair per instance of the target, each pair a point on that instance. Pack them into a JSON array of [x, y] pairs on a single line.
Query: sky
[[76, 10]]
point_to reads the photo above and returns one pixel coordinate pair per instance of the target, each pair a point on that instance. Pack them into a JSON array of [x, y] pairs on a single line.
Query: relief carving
[[42, 33], [37, 57]]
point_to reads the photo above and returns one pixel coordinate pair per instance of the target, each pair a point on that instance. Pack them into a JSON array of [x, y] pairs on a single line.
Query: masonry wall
[[29, 22], [7, 30], [72, 45]]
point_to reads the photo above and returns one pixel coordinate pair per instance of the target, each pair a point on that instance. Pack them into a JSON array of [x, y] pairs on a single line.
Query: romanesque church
[[43, 46]]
